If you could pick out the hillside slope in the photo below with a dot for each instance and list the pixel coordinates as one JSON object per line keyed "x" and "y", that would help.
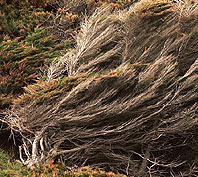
{"x": 124, "y": 99}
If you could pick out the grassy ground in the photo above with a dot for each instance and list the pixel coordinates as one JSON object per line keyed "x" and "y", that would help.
{"x": 10, "y": 168}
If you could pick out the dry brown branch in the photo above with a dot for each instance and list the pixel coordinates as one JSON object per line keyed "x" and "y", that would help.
{"x": 101, "y": 30}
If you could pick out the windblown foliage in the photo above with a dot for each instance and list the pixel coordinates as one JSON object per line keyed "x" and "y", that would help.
{"x": 125, "y": 98}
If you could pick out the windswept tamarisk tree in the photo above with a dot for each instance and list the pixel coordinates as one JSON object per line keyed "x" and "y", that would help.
{"x": 125, "y": 98}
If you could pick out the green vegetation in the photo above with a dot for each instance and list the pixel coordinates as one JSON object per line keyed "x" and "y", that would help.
{"x": 26, "y": 46}
{"x": 21, "y": 61}
{"x": 19, "y": 18}
{"x": 8, "y": 168}
{"x": 16, "y": 169}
